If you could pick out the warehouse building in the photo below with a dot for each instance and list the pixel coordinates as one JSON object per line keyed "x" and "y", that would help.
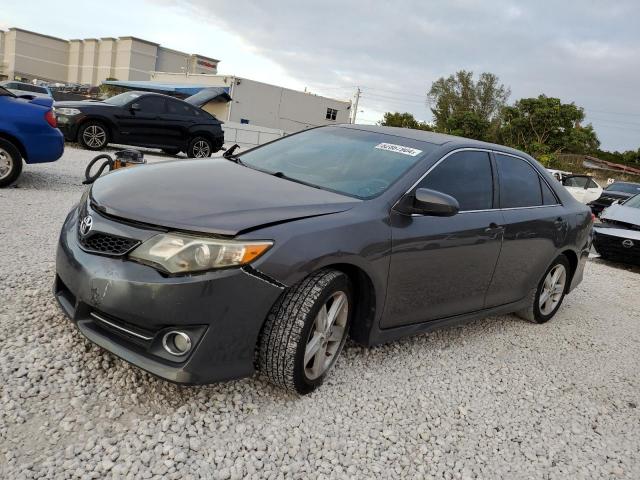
{"x": 262, "y": 104}
{"x": 28, "y": 56}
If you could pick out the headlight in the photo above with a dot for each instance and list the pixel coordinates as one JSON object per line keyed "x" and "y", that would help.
{"x": 69, "y": 112}
{"x": 181, "y": 253}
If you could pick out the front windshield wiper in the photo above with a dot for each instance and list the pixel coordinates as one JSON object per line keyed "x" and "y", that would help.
{"x": 291, "y": 179}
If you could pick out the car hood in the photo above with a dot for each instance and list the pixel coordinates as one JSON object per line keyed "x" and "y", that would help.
{"x": 620, "y": 213}
{"x": 211, "y": 195}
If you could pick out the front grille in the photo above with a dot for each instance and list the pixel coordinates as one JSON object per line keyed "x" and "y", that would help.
{"x": 609, "y": 245}
{"x": 107, "y": 244}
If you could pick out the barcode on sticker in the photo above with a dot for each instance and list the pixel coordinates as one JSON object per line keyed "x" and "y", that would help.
{"x": 392, "y": 147}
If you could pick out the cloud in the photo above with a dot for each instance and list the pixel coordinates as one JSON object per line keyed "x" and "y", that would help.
{"x": 582, "y": 51}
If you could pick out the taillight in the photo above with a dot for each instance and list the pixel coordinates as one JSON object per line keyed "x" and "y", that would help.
{"x": 51, "y": 119}
{"x": 593, "y": 217}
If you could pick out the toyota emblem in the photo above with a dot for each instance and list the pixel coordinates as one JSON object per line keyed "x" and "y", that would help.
{"x": 627, "y": 243}
{"x": 85, "y": 225}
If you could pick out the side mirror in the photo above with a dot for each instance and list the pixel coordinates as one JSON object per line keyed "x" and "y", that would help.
{"x": 134, "y": 107}
{"x": 429, "y": 202}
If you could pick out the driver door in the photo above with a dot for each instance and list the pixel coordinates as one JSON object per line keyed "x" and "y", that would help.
{"x": 443, "y": 266}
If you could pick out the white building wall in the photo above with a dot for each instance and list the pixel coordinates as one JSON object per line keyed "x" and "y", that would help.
{"x": 267, "y": 105}
{"x": 32, "y": 55}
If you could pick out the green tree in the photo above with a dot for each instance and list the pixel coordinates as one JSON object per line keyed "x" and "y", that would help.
{"x": 462, "y": 106}
{"x": 544, "y": 126}
{"x": 403, "y": 120}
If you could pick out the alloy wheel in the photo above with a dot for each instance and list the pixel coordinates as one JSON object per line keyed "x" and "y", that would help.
{"x": 326, "y": 336}
{"x": 201, "y": 149}
{"x": 94, "y": 136}
{"x": 6, "y": 164}
{"x": 552, "y": 289}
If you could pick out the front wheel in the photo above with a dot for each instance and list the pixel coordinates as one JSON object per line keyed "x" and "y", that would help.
{"x": 305, "y": 331}
{"x": 545, "y": 300}
{"x": 93, "y": 136}
{"x": 10, "y": 163}
{"x": 199, "y": 147}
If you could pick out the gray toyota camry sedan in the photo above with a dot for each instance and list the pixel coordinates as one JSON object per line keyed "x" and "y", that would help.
{"x": 206, "y": 270}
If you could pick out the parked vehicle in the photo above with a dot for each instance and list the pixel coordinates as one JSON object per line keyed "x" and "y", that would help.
{"x": 617, "y": 237}
{"x": 21, "y": 89}
{"x": 615, "y": 191}
{"x": 197, "y": 271}
{"x": 27, "y": 132}
{"x": 141, "y": 119}
{"x": 582, "y": 187}
{"x": 558, "y": 174}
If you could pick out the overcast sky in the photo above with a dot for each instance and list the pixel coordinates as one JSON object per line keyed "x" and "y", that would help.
{"x": 585, "y": 51}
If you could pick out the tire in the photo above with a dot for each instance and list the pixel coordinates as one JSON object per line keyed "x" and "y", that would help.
{"x": 199, "y": 147}
{"x": 93, "y": 135}
{"x": 171, "y": 151}
{"x": 10, "y": 163}
{"x": 537, "y": 313}
{"x": 292, "y": 326}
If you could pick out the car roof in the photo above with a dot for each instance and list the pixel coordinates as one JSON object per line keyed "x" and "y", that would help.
{"x": 152, "y": 94}
{"x": 434, "y": 138}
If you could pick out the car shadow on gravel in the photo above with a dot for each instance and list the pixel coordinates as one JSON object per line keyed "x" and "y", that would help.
{"x": 617, "y": 265}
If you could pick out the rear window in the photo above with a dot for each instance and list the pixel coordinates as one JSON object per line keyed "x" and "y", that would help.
{"x": 580, "y": 182}
{"x": 624, "y": 187}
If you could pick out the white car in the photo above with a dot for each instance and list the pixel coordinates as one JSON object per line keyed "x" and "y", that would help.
{"x": 582, "y": 187}
{"x": 20, "y": 88}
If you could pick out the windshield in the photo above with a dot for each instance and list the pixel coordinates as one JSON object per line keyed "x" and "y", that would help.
{"x": 5, "y": 93}
{"x": 122, "y": 99}
{"x": 633, "y": 202}
{"x": 353, "y": 162}
{"x": 624, "y": 187}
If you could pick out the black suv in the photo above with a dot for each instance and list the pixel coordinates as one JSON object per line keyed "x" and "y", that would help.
{"x": 141, "y": 119}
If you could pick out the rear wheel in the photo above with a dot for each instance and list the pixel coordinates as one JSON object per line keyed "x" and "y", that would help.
{"x": 545, "y": 300}
{"x": 305, "y": 331}
{"x": 10, "y": 163}
{"x": 199, "y": 147}
{"x": 93, "y": 136}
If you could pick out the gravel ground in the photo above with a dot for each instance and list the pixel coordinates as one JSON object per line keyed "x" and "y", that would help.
{"x": 498, "y": 398}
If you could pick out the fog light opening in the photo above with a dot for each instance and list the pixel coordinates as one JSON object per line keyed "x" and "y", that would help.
{"x": 176, "y": 343}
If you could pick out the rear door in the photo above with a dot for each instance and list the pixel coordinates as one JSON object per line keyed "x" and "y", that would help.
{"x": 536, "y": 225}
{"x": 593, "y": 191}
{"x": 143, "y": 125}
{"x": 577, "y": 186}
{"x": 178, "y": 118}
{"x": 442, "y": 266}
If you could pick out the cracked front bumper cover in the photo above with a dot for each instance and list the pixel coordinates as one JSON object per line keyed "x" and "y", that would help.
{"x": 223, "y": 310}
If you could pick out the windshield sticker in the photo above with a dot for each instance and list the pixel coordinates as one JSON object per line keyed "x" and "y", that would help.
{"x": 392, "y": 147}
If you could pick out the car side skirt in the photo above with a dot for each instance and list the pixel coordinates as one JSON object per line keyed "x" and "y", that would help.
{"x": 377, "y": 336}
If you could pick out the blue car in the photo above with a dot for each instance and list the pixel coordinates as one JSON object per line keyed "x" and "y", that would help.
{"x": 28, "y": 130}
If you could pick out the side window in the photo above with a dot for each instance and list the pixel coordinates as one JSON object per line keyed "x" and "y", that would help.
{"x": 519, "y": 183}
{"x": 592, "y": 184}
{"x": 580, "y": 182}
{"x": 182, "y": 108}
{"x": 467, "y": 177}
{"x": 548, "y": 197}
{"x": 151, "y": 104}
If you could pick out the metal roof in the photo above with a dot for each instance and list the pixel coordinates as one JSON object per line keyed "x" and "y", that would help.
{"x": 150, "y": 86}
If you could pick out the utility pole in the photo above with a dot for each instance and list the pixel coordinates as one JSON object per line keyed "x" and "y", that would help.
{"x": 355, "y": 105}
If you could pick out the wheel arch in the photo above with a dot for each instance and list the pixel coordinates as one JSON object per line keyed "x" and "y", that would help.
{"x": 365, "y": 299}
{"x": 573, "y": 264}
{"x": 16, "y": 143}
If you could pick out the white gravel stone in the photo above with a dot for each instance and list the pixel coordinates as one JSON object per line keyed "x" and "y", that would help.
{"x": 497, "y": 398}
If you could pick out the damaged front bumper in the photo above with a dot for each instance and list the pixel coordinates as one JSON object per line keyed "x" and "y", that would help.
{"x": 127, "y": 308}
